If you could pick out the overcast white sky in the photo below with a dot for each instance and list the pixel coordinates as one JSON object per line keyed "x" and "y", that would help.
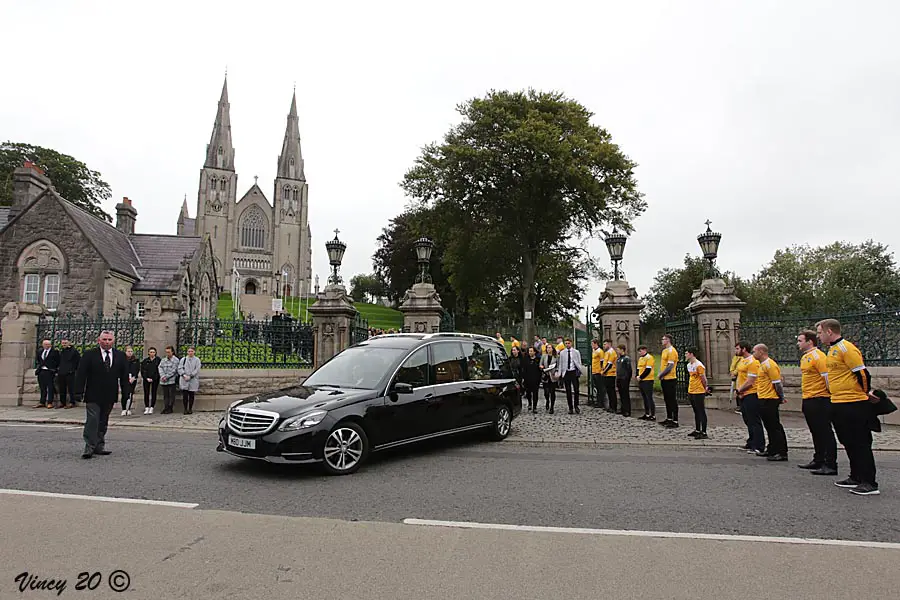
{"x": 780, "y": 121}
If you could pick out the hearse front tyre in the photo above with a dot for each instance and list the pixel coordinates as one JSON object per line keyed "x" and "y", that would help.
{"x": 502, "y": 423}
{"x": 345, "y": 450}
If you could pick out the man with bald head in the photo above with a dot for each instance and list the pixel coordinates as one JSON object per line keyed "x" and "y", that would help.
{"x": 102, "y": 372}
{"x": 770, "y": 391}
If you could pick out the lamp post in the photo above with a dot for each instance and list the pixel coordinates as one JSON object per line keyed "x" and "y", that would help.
{"x": 424, "y": 246}
{"x": 336, "y": 249}
{"x": 709, "y": 244}
{"x": 615, "y": 245}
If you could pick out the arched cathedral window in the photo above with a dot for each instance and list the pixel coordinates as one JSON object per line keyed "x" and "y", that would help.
{"x": 286, "y": 193}
{"x": 296, "y": 194}
{"x": 222, "y": 184}
{"x": 253, "y": 229}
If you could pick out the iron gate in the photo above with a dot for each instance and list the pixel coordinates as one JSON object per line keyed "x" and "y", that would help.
{"x": 684, "y": 336}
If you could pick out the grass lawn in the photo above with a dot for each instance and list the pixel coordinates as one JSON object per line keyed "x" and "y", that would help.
{"x": 380, "y": 317}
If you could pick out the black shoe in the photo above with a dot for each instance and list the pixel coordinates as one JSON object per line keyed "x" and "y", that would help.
{"x": 865, "y": 489}
{"x": 577, "y": 411}
{"x": 550, "y": 412}
{"x": 665, "y": 423}
{"x": 846, "y": 483}
{"x": 571, "y": 412}
{"x": 87, "y": 454}
{"x": 823, "y": 470}
{"x": 777, "y": 458}
{"x": 762, "y": 453}
{"x": 702, "y": 436}
{"x": 644, "y": 417}
{"x": 102, "y": 452}
{"x": 811, "y": 465}
{"x": 694, "y": 433}
{"x": 672, "y": 425}
{"x": 746, "y": 447}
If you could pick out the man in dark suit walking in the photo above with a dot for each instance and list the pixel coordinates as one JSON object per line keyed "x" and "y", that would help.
{"x": 47, "y": 366}
{"x": 102, "y": 372}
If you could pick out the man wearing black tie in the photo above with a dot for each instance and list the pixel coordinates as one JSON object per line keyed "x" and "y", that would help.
{"x": 101, "y": 373}
{"x": 47, "y": 366}
{"x": 569, "y": 370}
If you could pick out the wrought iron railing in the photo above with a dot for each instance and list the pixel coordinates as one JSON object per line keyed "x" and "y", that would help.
{"x": 684, "y": 336}
{"x": 876, "y": 333}
{"x": 359, "y": 331}
{"x": 448, "y": 322}
{"x": 83, "y": 330}
{"x": 247, "y": 344}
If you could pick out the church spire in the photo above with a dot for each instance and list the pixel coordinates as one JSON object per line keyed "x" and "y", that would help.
{"x": 290, "y": 161}
{"x": 184, "y": 208}
{"x": 219, "y": 152}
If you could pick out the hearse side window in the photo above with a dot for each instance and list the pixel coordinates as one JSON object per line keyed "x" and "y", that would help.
{"x": 481, "y": 361}
{"x": 414, "y": 369}
{"x": 500, "y": 362}
{"x": 447, "y": 362}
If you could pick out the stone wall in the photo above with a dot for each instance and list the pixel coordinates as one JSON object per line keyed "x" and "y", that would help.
{"x": 218, "y": 387}
{"x": 82, "y": 282}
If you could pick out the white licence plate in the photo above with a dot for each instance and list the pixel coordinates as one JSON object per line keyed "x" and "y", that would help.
{"x": 241, "y": 442}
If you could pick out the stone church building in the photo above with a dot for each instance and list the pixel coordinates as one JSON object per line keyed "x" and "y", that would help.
{"x": 56, "y": 254}
{"x": 260, "y": 247}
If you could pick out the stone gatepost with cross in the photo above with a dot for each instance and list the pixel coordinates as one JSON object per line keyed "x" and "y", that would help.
{"x": 421, "y": 305}
{"x": 333, "y": 312}
{"x": 619, "y": 314}
{"x": 18, "y": 349}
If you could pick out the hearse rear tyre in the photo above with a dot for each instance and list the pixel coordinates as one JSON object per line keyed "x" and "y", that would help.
{"x": 346, "y": 449}
{"x": 502, "y": 423}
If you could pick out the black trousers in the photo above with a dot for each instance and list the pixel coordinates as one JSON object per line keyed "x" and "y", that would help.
{"x": 169, "y": 395}
{"x": 851, "y": 423}
{"x": 817, "y": 412}
{"x": 128, "y": 401}
{"x": 150, "y": 388}
{"x": 45, "y": 382}
{"x": 610, "y": 384}
{"x": 66, "y": 385}
{"x": 599, "y": 389}
{"x": 698, "y": 403}
{"x": 187, "y": 397}
{"x": 570, "y": 381}
{"x": 624, "y": 395}
{"x": 768, "y": 412}
{"x": 646, "y": 387}
{"x": 95, "y": 424}
{"x": 531, "y": 392}
{"x": 549, "y": 394}
{"x": 751, "y": 409}
{"x": 671, "y": 400}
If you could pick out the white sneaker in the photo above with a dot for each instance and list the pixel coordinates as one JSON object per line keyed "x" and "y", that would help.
{"x": 147, "y": 410}
{"x": 124, "y": 412}
{"x": 128, "y": 413}
{"x": 150, "y": 411}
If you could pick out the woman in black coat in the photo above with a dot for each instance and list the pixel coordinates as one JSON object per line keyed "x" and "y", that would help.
{"x": 150, "y": 375}
{"x": 532, "y": 378}
{"x": 516, "y": 365}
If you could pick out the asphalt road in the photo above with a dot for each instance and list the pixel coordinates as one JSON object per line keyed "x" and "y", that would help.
{"x": 647, "y": 488}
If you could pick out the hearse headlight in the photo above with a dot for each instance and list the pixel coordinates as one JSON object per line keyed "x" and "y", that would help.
{"x": 303, "y": 421}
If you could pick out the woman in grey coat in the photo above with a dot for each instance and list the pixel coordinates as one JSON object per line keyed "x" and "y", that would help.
{"x": 189, "y": 379}
{"x": 168, "y": 379}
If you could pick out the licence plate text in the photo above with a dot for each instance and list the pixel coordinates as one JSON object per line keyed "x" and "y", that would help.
{"x": 241, "y": 442}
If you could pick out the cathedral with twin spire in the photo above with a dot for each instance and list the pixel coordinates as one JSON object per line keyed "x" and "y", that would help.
{"x": 260, "y": 247}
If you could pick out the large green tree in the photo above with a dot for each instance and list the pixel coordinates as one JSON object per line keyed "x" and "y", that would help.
{"x": 527, "y": 174}
{"x": 366, "y": 287}
{"x": 72, "y": 178}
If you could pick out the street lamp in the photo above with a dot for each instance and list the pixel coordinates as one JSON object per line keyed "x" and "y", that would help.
{"x": 615, "y": 244}
{"x": 709, "y": 244}
{"x": 423, "y": 246}
{"x": 336, "y": 249}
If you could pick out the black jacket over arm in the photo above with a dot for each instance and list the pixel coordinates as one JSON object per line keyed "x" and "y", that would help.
{"x": 52, "y": 361}
{"x": 99, "y": 384}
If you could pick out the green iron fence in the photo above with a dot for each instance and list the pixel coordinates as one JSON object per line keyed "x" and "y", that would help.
{"x": 83, "y": 330}
{"x": 280, "y": 343}
{"x": 684, "y": 336}
{"x": 876, "y": 333}
{"x": 359, "y": 331}
{"x": 448, "y": 322}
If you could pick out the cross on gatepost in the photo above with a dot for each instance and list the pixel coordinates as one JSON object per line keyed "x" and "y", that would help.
{"x": 708, "y": 223}
{"x": 336, "y": 232}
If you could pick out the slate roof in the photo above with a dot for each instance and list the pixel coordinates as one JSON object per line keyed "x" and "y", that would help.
{"x": 4, "y": 216}
{"x": 162, "y": 256}
{"x": 112, "y": 244}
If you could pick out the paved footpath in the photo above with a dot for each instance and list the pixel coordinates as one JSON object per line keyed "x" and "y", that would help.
{"x": 591, "y": 427}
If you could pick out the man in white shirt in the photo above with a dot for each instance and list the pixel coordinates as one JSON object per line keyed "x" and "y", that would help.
{"x": 569, "y": 368}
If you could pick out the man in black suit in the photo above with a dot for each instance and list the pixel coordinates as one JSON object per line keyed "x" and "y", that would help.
{"x": 65, "y": 379}
{"x": 102, "y": 372}
{"x": 47, "y": 366}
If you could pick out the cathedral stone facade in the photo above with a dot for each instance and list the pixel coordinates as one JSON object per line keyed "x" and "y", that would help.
{"x": 260, "y": 247}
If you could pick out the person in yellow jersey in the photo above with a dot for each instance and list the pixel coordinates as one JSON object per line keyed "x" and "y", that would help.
{"x": 597, "y": 364}
{"x": 514, "y": 343}
{"x": 850, "y": 385}
{"x": 747, "y": 373}
{"x": 698, "y": 387}
{"x": 560, "y": 344}
{"x": 668, "y": 359}
{"x": 817, "y": 405}
{"x": 546, "y": 346}
{"x": 770, "y": 392}
{"x": 646, "y": 377}
{"x": 500, "y": 338}
{"x": 732, "y": 370}
{"x": 609, "y": 375}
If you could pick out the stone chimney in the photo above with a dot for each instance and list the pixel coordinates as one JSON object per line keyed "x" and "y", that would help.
{"x": 126, "y": 215}
{"x": 29, "y": 182}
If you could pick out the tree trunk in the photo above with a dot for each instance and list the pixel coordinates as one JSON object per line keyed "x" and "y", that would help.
{"x": 528, "y": 297}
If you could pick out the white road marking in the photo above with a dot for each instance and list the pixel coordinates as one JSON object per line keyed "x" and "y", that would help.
{"x": 100, "y": 498}
{"x": 42, "y": 425}
{"x": 655, "y": 534}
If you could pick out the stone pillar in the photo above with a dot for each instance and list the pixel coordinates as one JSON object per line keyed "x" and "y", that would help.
{"x": 19, "y": 346}
{"x": 717, "y": 312}
{"x": 422, "y": 310}
{"x": 620, "y": 316}
{"x": 161, "y": 325}
{"x": 332, "y": 317}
